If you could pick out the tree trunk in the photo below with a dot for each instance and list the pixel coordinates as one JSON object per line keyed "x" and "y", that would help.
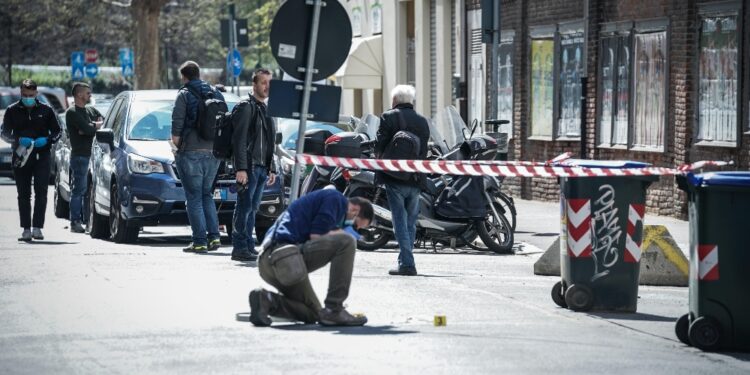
{"x": 146, "y": 18}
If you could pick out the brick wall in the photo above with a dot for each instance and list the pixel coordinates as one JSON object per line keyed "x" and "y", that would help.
{"x": 663, "y": 197}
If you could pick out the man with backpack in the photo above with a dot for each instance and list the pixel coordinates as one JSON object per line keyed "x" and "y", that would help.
{"x": 192, "y": 135}
{"x": 403, "y": 134}
{"x": 253, "y": 147}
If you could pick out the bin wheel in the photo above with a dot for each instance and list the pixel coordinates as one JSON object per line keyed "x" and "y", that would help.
{"x": 579, "y": 298}
{"x": 681, "y": 329}
{"x": 558, "y": 296}
{"x": 705, "y": 333}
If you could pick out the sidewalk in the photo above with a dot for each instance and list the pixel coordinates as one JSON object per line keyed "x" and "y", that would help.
{"x": 538, "y": 225}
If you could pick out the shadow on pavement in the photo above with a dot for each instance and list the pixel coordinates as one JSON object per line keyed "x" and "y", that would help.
{"x": 363, "y": 330}
{"x": 635, "y": 316}
{"x": 43, "y": 242}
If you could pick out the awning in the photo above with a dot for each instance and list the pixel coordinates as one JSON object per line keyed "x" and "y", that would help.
{"x": 363, "y": 68}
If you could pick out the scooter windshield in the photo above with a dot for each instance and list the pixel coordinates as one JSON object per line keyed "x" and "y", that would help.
{"x": 447, "y": 129}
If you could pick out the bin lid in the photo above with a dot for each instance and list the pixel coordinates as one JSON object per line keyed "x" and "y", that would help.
{"x": 619, "y": 164}
{"x": 720, "y": 179}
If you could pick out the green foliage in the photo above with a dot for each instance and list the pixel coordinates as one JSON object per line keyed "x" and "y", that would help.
{"x": 103, "y": 83}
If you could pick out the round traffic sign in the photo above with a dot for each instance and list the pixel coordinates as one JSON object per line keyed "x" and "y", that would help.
{"x": 290, "y": 32}
{"x": 234, "y": 63}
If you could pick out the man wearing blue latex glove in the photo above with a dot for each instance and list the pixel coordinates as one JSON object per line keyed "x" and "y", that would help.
{"x": 40, "y": 142}
{"x": 25, "y": 142}
{"x": 28, "y": 123}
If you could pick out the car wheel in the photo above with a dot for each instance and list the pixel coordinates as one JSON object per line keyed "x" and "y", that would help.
{"x": 97, "y": 224}
{"x": 120, "y": 230}
{"x": 62, "y": 208}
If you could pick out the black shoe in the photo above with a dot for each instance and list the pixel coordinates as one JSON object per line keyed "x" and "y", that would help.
{"x": 403, "y": 271}
{"x": 244, "y": 256}
{"x": 77, "y": 227}
{"x": 260, "y": 304}
{"x": 214, "y": 244}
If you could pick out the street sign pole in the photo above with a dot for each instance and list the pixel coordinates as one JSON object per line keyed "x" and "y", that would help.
{"x": 309, "y": 70}
{"x": 230, "y": 80}
{"x": 234, "y": 48}
{"x": 495, "y": 64}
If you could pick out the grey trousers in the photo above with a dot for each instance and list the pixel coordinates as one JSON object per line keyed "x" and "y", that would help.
{"x": 299, "y": 302}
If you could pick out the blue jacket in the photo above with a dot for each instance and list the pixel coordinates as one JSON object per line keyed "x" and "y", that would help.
{"x": 318, "y": 212}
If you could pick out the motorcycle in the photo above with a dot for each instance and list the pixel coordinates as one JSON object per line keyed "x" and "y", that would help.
{"x": 450, "y": 214}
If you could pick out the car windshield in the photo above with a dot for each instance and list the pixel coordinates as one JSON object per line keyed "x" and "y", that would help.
{"x": 289, "y": 129}
{"x": 103, "y": 106}
{"x": 152, "y": 120}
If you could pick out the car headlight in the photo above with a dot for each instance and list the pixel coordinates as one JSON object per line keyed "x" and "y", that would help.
{"x": 141, "y": 165}
{"x": 287, "y": 165}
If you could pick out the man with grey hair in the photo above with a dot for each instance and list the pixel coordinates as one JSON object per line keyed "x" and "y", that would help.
{"x": 399, "y": 127}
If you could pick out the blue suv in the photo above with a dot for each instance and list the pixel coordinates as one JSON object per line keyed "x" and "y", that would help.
{"x": 134, "y": 182}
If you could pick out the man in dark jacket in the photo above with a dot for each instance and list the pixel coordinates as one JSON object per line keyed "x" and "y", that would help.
{"x": 403, "y": 196}
{"x": 254, "y": 146}
{"x": 31, "y": 127}
{"x": 82, "y": 123}
{"x": 313, "y": 224}
{"x": 196, "y": 163}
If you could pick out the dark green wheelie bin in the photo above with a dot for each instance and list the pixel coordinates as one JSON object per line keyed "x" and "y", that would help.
{"x": 719, "y": 317}
{"x": 600, "y": 238}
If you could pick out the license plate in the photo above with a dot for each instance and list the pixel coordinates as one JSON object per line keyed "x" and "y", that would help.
{"x": 220, "y": 194}
{"x": 224, "y": 194}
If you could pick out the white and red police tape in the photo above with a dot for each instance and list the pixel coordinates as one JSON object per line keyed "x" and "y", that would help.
{"x": 495, "y": 167}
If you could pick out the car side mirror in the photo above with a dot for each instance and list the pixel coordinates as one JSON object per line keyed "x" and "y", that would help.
{"x": 279, "y": 138}
{"x": 106, "y": 136}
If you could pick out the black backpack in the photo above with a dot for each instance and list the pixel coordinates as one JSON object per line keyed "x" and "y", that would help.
{"x": 209, "y": 110}
{"x": 224, "y": 132}
{"x": 404, "y": 145}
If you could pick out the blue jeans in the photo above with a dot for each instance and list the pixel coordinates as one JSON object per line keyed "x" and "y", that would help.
{"x": 79, "y": 165}
{"x": 404, "y": 203}
{"x": 248, "y": 203}
{"x": 197, "y": 172}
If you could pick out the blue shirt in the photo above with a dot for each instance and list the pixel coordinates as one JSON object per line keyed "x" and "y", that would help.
{"x": 318, "y": 212}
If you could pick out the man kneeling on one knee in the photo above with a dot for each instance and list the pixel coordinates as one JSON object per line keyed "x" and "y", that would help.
{"x": 305, "y": 238}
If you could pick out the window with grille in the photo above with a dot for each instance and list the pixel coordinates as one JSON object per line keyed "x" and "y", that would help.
{"x": 719, "y": 79}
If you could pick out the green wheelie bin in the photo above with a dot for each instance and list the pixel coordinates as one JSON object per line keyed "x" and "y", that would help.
{"x": 719, "y": 316}
{"x": 600, "y": 238}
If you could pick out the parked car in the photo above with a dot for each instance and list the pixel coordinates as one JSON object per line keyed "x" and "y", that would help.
{"x": 289, "y": 129}
{"x": 134, "y": 180}
{"x": 56, "y": 97}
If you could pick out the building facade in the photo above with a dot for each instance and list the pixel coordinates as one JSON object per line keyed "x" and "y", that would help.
{"x": 666, "y": 82}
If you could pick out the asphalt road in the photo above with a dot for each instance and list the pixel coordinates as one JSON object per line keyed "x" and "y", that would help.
{"x": 71, "y": 304}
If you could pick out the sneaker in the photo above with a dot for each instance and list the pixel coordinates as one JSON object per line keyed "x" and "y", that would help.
{"x": 214, "y": 244}
{"x": 77, "y": 227}
{"x": 244, "y": 255}
{"x": 403, "y": 271}
{"x": 36, "y": 233}
{"x": 328, "y": 317}
{"x": 193, "y": 248}
{"x": 260, "y": 304}
{"x": 25, "y": 236}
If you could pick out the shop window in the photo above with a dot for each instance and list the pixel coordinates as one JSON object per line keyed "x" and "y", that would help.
{"x": 541, "y": 102}
{"x": 650, "y": 90}
{"x": 505, "y": 83}
{"x": 570, "y": 62}
{"x": 719, "y": 78}
{"x": 614, "y": 90}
